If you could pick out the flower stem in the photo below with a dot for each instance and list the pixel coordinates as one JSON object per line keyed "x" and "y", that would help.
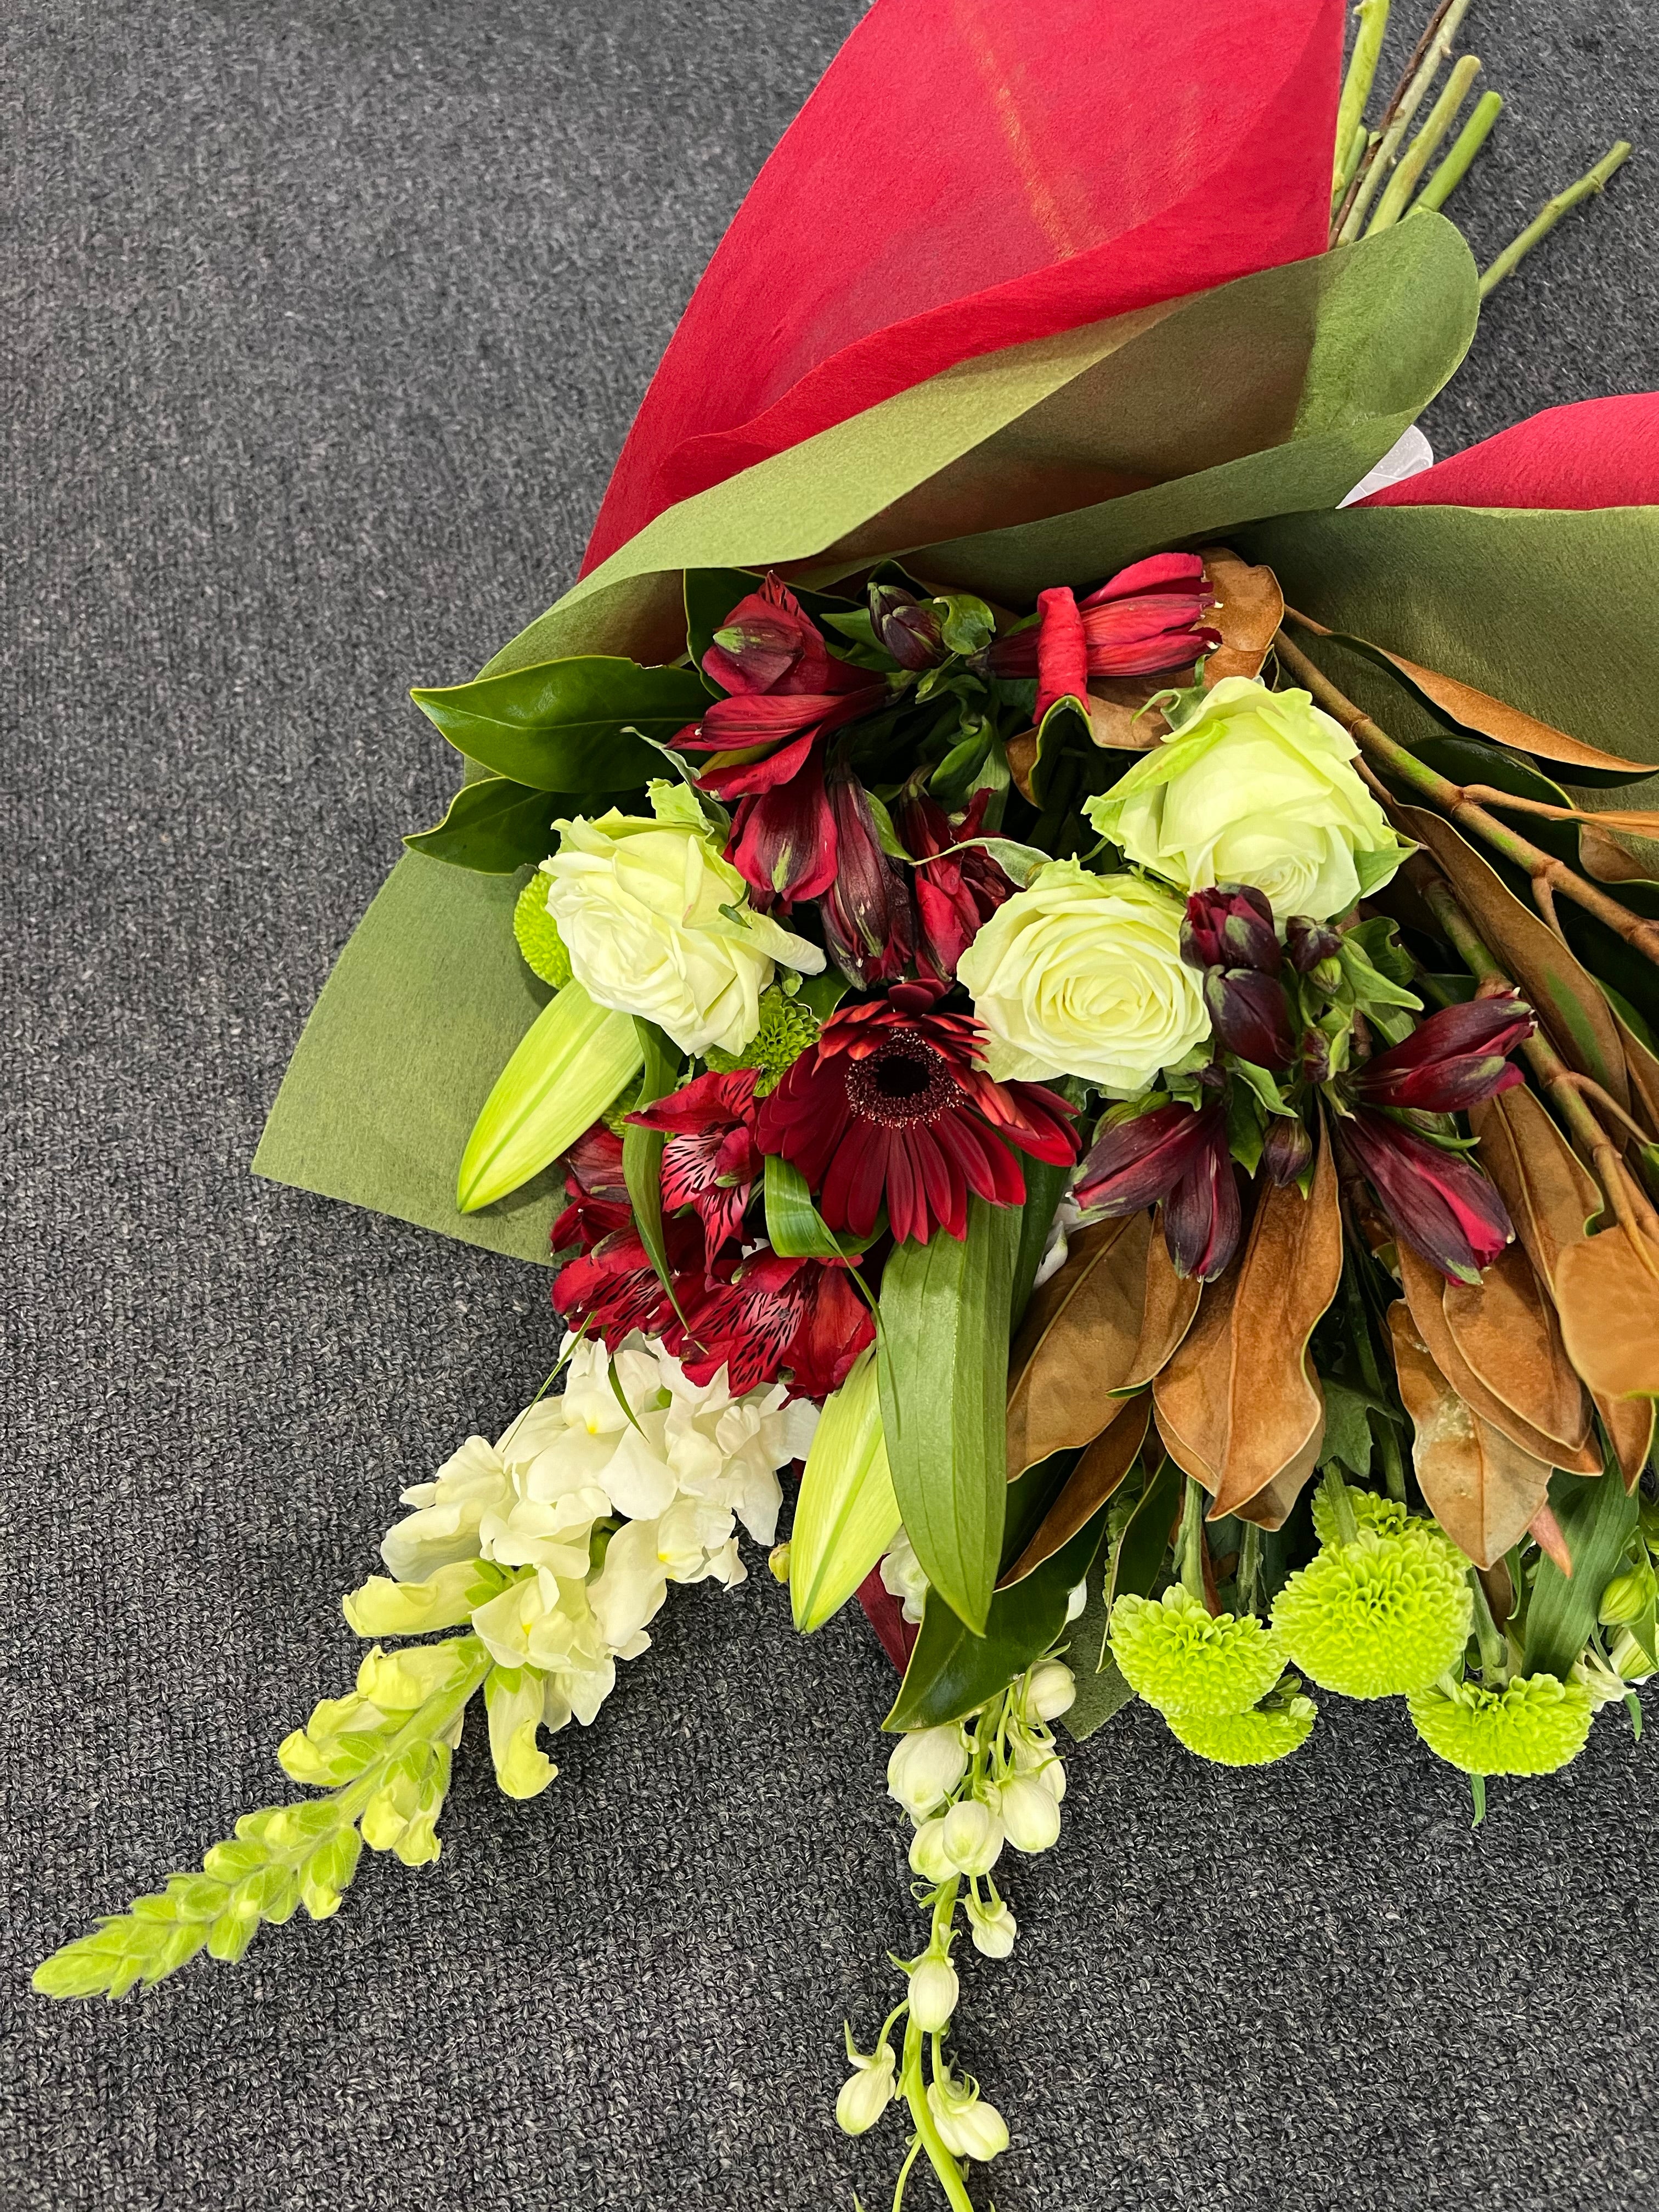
{"x": 1424, "y": 148}
{"x": 1357, "y": 86}
{"x": 1456, "y": 167}
{"x": 1382, "y": 1433}
{"x": 1494, "y": 1645}
{"x": 1545, "y": 874}
{"x": 1192, "y": 1542}
{"x": 1249, "y": 1570}
{"x": 1347, "y": 1521}
{"x": 1551, "y": 213}
{"x": 927, "y": 2135}
{"x": 1435, "y": 47}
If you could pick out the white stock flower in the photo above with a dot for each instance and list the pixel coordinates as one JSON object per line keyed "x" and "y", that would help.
{"x": 1257, "y": 787}
{"x": 903, "y": 1576}
{"x": 657, "y": 924}
{"x": 1081, "y": 974}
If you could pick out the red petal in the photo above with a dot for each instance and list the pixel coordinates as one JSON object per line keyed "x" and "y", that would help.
{"x": 1600, "y": 452}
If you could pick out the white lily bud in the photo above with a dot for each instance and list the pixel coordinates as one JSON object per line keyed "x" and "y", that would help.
{"x": 866, "y": 2092}
{"x": 968, "y": 2126}
{"x": 993, "y": 1928}
{"x": 1049, "y": 1690}
{"x": 925, "y": 1768}
{"x": 1030, "y": 1815}
{"x": 973, "y": 1834}
{"x": 933, "y": 1992}
{"x": 928, "y": 1856}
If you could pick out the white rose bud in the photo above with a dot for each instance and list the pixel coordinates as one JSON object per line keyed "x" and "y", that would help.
{"x": 972, "y": 1835}
{"x": 1030, "y": 1816}
{"x": 1081, "y": 974}
{"x": 993, "y": 1928}
{"x": 925, "y": 1768}
{"x": 1050, "y": 1690}
{"x": 1257, "y": 787}
{"x": 866, "y": 2092}
{"x": 933, "y": 1992}
{"x": 928, "y": 1856}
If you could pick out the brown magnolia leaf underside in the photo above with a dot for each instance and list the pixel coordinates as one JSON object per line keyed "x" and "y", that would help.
{"x": 1079, "y": 1342}
{"x": 1506, "y": 1329}
{"x": 1565, "y": 997}
{"x": 1549, "y": 1194}
{"x": 1089, "y": 1484}
{"x": 1643, "y": 1070}
{"x": 1480, "y": 1486}
{"x": 1604, "y": 857}
{"x": 1238, "y": 1400}
{"x": 1424, "y": 1285}
{"x": 1250, "y": 609}
{"x": 1608, "y": 1301}
{"x": 1170, "y": 1303}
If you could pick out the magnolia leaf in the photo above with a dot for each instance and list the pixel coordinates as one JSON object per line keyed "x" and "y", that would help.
{"x": 1087, "y": 1489}
{"x": 1250, "y": 607}
{"x": 846, "y": 1515}
{"x": 1120, "y": 718}
{"x": 1506, "y": 1329}
{"x": 952, "y": 1671}
{"x": 1566, "y": 996}
{"x": 1139, "y": 1555}
{"x": 943, "y": 1364}
{"x": 1551, "y": 1197}
{"x": 1595, "y": 1519}
{"x": 569, "y": 725}
{"x": 496, "y": 826}
{"x": 1606, "y": 1292}
{"x": 1169, "y": 1303}
{"x": 1481, "y": 1487}
{"x": 1078, "y": 1342}
{"x": 1642, "y": 1069}
{"x": 1608, "y": 860}
{"x": 1272, "y": 1505}
{"x": 1424, "y": 1285}
{"x": 573, "y": 1059}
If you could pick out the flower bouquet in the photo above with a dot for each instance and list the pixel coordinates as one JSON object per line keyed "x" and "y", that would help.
{"x": 1043, "y": 970}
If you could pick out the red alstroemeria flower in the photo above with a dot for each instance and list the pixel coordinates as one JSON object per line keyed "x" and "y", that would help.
{"x": 711, "y": 1160}
{"x": 958, "y": 895}
{"x": 1179, "y": 1155}
{"x": 598, "y": 1191}
{"x": 869, "y": 920}
{"x": 614, "y": 1288}
{"x": 1439, "y": 1202}
{"x": 892, "y": 1107}
{"x": 776, "y": 1317}
{"x": 1455, "y": 1058}
{"x": 1145, "y": 619}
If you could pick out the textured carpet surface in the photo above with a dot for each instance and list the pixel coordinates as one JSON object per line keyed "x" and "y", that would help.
{"x": 322, "y": 326}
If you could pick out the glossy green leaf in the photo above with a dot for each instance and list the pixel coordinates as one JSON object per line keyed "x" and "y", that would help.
{"x": 576, "y": 1059}
{"x": 1140, "y": 1551}
{"x": 564, "y": 726}
{"x": 1597, "y": 1515}
{"x": 846, "y": 1515}
{"x": 944, "y": 1369}
{"x": 496, "y": 826}
{"x": 642, "y": 1148}
{"x": 1102, "y": 1691}
{"x": 1045, "y": 1186}
{"x": 952, "y": 1671}
{"x": 795, "y": 1227}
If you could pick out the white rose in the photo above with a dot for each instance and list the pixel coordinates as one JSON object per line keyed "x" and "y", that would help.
{"x": 1081, "y": 974}
{"x": 1258, "y": 787}
{"x": 657, "y": 924}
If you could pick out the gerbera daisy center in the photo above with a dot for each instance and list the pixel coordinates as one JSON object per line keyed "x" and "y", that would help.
{"x": 901, "y": 1080}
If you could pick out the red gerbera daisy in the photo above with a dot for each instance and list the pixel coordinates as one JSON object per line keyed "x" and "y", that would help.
{"x": 893, "y": 1107}
{"x": 710, "y": 1161}
{"x": 798, "y": 1317}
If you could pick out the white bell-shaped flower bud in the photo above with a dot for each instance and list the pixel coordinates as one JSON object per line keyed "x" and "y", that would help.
{"x": 973, "y": 1833}
{"x": 993, "y": 1926}
{"x": 1050, "y": 1690}
{"x": 933, "y": 1992}
{"x": 925, "y": 1768}
{"x": 968, "y": 2126}
{"x": 1077, "y": 1601}
{"x": 1030, "y": 1817}
{"x": 928, "y": 1856}
{"x": 867, "y": 2091}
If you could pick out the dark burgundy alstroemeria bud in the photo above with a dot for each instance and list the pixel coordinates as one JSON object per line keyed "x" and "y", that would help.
{"x": 910, "y": 630}
{"x": 1309, "y": 944}
{"x": 1286, "y": 1149}
{"x": 1136, "y": 1163}
{"x": 1316, "y": 1056}
{"x": 1249, "y": 1017}
{"x": 869, "y": 921}
{"x": 1202, "y": 1217}
{"x": 1439, "y": 1203}
{"x": 768, "y": 642}
{"x": 957, "y": 894}
{"x": 1455, "y": 1058}
{"x": 1229, "y": 927}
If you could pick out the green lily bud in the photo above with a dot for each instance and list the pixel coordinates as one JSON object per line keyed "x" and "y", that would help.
{"x": 1625, "y": 1597}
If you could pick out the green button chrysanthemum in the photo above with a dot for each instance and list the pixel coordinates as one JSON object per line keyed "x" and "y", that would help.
{"x": 537, "y": 934}
{"x": 1253, "y": 1739}
{"x": 1386, "y": 1516}
{"x": 1183, "y": 1660}
{"x": 1528, "y": 1727}
{"x": 787, "y": 1028}
{"x": 1378, "y": 1617}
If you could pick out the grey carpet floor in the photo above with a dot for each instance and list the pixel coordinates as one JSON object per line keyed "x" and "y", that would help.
{"x": 322, "y": 326}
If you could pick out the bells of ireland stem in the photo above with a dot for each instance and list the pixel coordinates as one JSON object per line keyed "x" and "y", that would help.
{"x": 925, "y": 1768}
{"x": 1229, "y": 927}
{"x": 933, "y": 1992}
